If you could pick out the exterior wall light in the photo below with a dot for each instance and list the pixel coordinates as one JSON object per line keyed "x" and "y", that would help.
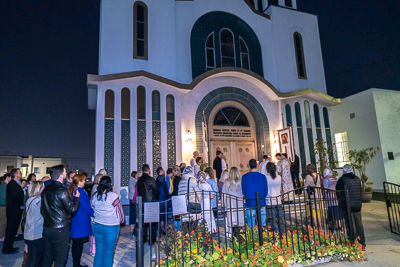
{"x": 188, "y": 136}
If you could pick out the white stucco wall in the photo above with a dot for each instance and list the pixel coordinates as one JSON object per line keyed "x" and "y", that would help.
{"x": 387, "y": 106}
{"x": 6, "y": 161}
{"x": 362, "y": 131}
{"x": 169, "y": 29}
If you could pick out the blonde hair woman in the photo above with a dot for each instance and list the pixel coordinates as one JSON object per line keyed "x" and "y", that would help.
{"x": 34, "y": 224}
{"x": 233, "y": 199}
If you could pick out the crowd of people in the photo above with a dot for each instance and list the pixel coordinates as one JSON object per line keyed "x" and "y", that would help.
{"x": 59, "y": 211}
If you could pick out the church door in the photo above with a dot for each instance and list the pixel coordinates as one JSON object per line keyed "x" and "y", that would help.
{"x": 237, "y": 153}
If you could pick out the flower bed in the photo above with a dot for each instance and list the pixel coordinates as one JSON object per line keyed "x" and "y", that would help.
{"x": 199, "y": 249}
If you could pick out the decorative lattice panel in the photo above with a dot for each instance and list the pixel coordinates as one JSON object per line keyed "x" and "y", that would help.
{"x": 109, "y": 147}
{"x": 125, "y": 151}
{"x": 156, "y": 146}
{"x": 141, "y": 144}
{"x": 171, "y": 143}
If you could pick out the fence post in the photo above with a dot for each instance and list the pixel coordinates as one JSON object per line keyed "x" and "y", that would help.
{"x": 258, "y": 214}
{"x": 388, "y": 205}
{"x": 139, "y": 233}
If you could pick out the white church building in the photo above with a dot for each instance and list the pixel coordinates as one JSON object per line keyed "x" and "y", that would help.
{"x": 251, "y": 67}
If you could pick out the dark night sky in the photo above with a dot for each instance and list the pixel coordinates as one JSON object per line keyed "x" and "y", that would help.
{"x": 48, "y": 47}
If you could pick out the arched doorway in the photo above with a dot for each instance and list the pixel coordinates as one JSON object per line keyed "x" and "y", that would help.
{"x": 214, "y": 101}
{"x": 231, "y": 129}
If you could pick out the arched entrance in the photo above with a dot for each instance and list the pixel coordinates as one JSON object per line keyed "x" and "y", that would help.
{"x": 250, "y": 103}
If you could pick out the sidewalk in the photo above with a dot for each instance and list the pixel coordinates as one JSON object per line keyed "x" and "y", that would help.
{"x": 383, "y": 248}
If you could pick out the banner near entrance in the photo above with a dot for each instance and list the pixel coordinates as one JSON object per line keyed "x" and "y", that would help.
{"x": 286, "y": 142}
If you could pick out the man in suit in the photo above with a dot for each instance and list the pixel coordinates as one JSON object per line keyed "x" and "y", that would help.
{"x": 14, "y": 208}
{"x": 219, "y": 164}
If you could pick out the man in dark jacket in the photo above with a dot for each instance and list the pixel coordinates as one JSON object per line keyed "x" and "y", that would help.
{"x": 294, "y": 171}
{"x": 350, "y": 182}
{"x": 14, "y": 208}
{"x": 57, "y": 208}
{"x": 147, "y": 189}
{"x": 219, "y": 164}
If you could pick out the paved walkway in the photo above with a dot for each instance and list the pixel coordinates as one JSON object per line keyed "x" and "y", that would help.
{"x": 383, "y": 248}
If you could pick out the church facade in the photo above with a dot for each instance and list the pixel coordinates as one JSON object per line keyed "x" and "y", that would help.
{"x": 244, "y": 69}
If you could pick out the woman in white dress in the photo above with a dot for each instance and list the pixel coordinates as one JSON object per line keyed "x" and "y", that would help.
{"x": 233, "y": 200}
{"x": 207, "y": 195}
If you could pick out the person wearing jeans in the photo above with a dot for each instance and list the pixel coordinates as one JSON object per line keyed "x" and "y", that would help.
{"x": 106, "y": 223}
{"x": 81, "y": 225}
{"x": 57, "y": 208}
{"x": 33, "y": 232}
{"x": 253, "y": 182}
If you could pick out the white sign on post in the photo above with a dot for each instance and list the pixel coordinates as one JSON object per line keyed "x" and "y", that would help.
{"x": 179, "y": 205}
{"x": 151, "y": 212}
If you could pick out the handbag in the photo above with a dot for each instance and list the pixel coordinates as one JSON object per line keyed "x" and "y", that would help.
{"x": 23, "y": 222}
{"x": 119, "y": 209}
{"x": 192, "y": 207}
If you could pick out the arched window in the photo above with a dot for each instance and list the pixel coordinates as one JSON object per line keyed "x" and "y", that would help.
{"x": 141, "y": 103}
{"x": 244, "y": 55}
{"x": 326, "y": 117}
{"x": 288, "y": 115}
{"x": 228, "y": 58}
{"x": 155, "y": 100}
{"x": 125, "y": 104}
{"x": 300, "y": 61}
{"x": 140, "y": 26}
{"x": 307, "y": 114}
{"x": 230, "y": 116}
{"x": 260, "y": 6}
{"x": 288, "y": 3}
{"x": 327, "y": 126}
{"x": 109, "y": 104}
{"x": 300, "y": 136}
{"x": 317, "y": 121}
{"x": 170, "y": 108}
{"x": 210, "y": 52}
{"x": 309, "y": 131}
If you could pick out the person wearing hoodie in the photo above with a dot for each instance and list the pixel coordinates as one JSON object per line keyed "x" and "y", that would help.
{"x": 164, "y": 195}
{"x": 352, "y": 183}
{"x": 331, "y": 199}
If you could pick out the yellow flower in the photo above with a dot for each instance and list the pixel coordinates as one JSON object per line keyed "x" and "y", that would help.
{"x": 280, "y": 259}
{"x": 194, "y": 251}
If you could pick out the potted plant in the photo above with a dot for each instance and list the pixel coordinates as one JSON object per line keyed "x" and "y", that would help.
{"x": 359, "y": 160}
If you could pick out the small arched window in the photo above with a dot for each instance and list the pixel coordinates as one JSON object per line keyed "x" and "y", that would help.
{"x": 307, "y": 114}
{"x": 141, "y": 103}
{"x": 125, "y": 104}
{"x": 230, "y": 116}
{"x": 109, "y": 104}
{"x": 170, "y": 108}
{"x": 316, "y": 115}
{"x": 326, "y": 117}
{"x": 244, "y": 55}
{"x": 300, "y": 61}
{"x": 140, "y": 26}
{"x": 228, "y": 58}
{"x": 288, "y": 110}
{"x": 210, "y": 52}
{"x": 155, "y": 100}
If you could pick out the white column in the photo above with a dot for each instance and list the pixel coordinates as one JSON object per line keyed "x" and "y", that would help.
{"x": 149, "y": 130}
{"x": 117, "y": 141}
{"x": 164, "y": 130}
{"x": 100, "y": 113}
{"x": 134, "y": 128}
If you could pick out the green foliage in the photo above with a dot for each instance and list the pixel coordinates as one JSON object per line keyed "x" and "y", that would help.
{"x": 293, "y": 247}
{"x": 359, "y": 160}
{"x": 326, "y": 156}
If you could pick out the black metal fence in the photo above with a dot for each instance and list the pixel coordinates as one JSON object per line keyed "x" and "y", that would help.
{"x": 300, "y": 223}
{"x": 392, "y": 198}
